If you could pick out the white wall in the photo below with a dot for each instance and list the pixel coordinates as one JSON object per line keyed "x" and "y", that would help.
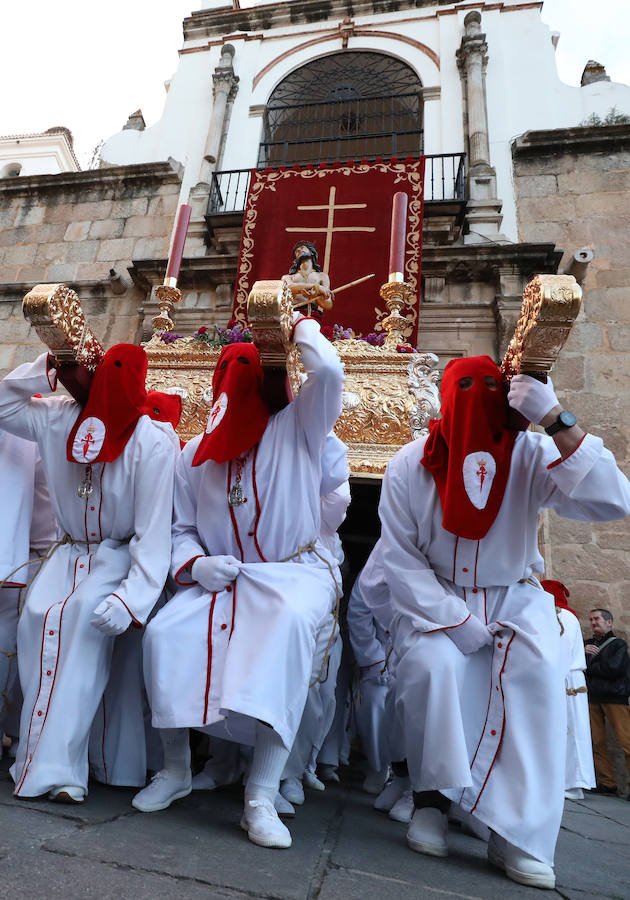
{"x": 524, "y": 91}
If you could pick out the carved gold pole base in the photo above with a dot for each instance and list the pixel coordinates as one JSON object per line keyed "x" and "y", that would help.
{"x": 396, "y": 294}
{"x": 168, "y": 297}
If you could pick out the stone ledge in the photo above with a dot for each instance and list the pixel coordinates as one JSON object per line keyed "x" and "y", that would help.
{"x": 165, "y": 172}
{"x": 559, "y": 141}
{"x": 226, "y": 21}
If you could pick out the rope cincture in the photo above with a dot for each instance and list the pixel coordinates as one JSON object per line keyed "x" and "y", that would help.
{"x": 311, "y": 548}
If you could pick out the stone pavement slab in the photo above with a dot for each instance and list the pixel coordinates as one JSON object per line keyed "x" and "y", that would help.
{"x": 342, "y": 848}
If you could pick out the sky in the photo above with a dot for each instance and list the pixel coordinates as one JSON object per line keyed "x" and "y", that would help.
{"x": 88, "y": 65}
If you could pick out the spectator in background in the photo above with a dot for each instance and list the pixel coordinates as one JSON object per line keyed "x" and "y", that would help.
{"x": 608, "y": 683}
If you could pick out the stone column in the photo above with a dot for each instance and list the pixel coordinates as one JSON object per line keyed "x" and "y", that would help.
{"x": 224, "y": 88}
{"x": 484, "y": 209}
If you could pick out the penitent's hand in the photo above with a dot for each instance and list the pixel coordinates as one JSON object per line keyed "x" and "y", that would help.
{"x": 215, "y": 573}
{"x": 531, "y": 398}
{"x": 111, "y": 617}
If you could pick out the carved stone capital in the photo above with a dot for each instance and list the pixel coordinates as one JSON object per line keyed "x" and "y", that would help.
{"x": 224, "y": 81}
{"x": 472, "y": 50}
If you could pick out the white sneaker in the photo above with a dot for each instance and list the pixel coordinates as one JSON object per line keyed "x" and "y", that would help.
{"x": 518, "y": 865}
{"x": 68, "y": 793}
{"x": 283, "y": 807}
{"x": 260, "y": 821}
{"x": 292, "y": 790}
{"x": 164, "y": 788}
{"x": 328, "y": 773}
{"x": 574, "y": 794}
{"x": 402, "y": 810}
{"x": 427, "y": 832}
{"x": 374, "y": 782}
{"x": 391, "y": 793}
{"x": 311, "y": 781}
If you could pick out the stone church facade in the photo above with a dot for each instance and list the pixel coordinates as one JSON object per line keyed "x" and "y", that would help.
{"x": 513, "y": 187}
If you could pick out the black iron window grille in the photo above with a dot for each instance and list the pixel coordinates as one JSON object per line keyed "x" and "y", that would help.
{"x": 351, "y": 105}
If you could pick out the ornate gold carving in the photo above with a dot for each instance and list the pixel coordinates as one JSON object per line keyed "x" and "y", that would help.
{"x": 396, "y": 294}
{"x": 55, "y": 312}
{"x": 551, "y": 304}
{"x": 388, "y": 397}
{"x": 270, "y": 316}
{"x": 168, "y": 296}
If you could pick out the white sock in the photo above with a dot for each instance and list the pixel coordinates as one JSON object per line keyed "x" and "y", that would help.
{"x": 176, "y": 748}
{"x": 270, "y": 756}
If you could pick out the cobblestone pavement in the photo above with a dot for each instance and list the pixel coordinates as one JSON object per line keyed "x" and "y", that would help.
{"x": 342, "y": 848}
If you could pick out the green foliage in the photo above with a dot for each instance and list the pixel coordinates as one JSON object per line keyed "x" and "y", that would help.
{"x": 612, "y": 117}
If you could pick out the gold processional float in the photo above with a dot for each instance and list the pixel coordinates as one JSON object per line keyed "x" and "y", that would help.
{"x": 390, "y": 392}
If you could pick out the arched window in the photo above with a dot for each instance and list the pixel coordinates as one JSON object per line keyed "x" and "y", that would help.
{"x": 349, "y": 105}
{"x": 11, "y": 170}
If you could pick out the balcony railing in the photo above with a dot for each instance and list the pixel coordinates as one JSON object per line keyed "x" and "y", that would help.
{"x": 444, "y": 181}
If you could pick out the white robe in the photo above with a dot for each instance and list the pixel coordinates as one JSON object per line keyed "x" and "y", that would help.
{"x": 120, "y": 542}
{"x": 370, "y": 644}
{"x": 579, "y": 771}
{"x": 247, "y": 652}
{"x": 27, "y": 527}
{"x": 485, "y": 728}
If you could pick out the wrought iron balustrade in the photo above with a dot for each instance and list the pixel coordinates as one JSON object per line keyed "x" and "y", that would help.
{"x": 444, "y": 180}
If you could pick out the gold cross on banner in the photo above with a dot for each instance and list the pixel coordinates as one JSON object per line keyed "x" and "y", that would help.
{"x": 331, "y": 228}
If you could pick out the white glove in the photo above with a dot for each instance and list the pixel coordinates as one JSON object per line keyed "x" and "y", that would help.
{"x": 470, "y": 636}
{"x": 375, "y": 675}
{"x": 215, "y": 572}
{"x": 111, "y": 617}
{"x": 531, "y": 397}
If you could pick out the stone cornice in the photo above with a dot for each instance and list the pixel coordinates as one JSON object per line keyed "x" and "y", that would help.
{"x": 163, "y": 172}
{"x": 592, "y": 139}
{"x": 215, "y": 23}
{"x": 486, "y": 262}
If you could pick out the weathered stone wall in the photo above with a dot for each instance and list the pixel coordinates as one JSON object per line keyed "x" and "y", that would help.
{"x": 573, "y": 188}
{"x": 73, "y": 228}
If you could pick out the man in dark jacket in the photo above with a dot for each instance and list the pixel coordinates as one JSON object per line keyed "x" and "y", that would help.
{"x": 608, "y": 683}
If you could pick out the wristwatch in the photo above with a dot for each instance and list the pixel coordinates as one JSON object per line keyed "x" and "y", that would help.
{"x": 566, "y": 419}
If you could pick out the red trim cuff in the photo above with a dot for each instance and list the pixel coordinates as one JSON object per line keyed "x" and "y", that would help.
{"x": 557, "y": 462}
{"x": 187, "y": 565}
{"x": 135, "y": 622}
{"x": 448, "y": 627}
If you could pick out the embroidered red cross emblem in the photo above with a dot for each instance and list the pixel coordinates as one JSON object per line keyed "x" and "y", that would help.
{"x": 481, "y": 473}
{"x": 87, "y": 440}
{"x": 216, "y": 409}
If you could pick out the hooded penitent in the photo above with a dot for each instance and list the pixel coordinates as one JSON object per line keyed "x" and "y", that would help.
{"x": 239, "y": 415}
{"x": 559, "y": 592}
{"x": 163, "y": 407}
{"x": 468, "y": 451}
{"x": 117, "y": 398}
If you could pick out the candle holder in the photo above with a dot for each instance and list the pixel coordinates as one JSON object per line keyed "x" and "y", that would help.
{"x": 167, "y": 296}
{"x": 396, "y": 294}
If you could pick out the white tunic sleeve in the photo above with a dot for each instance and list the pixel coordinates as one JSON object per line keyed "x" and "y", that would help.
{"x": 43, "y": 523}
{"x": 318, "y": 403}
{"x": 587, "y": 485}
{"x": 367, "y": 648}
{"x": 150, "y": 545}
{"x": 186, "y": 544}
{"x": 21, "y": 413}
{"x": 416, "y": 593}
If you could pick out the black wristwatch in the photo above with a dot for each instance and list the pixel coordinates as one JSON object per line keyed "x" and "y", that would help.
{"x": 566, "y": 419}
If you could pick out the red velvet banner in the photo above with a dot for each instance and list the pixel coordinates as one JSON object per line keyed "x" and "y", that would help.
{"x": 346, "y": 211}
